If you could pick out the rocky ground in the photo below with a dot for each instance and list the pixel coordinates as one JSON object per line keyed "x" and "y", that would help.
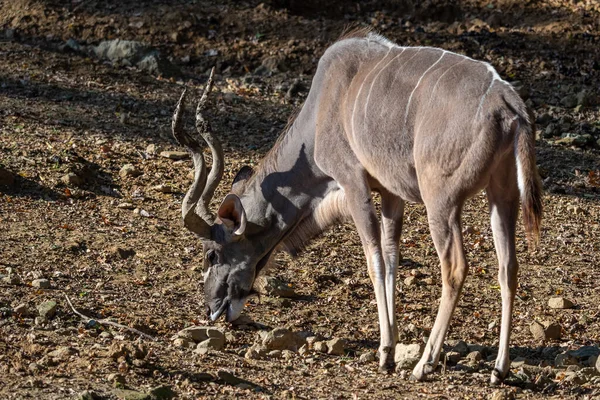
{"x": 91, "y": 185}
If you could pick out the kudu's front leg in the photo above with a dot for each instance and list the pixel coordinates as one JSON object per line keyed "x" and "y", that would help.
{"x": 363, "y": 213}
{"x": 392, "y": 212}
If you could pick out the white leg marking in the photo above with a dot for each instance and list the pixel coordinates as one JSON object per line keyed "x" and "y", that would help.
{"x": 417, "y": 85}
{"x": 360, "y": 89}
{"x": 520, "y": 173}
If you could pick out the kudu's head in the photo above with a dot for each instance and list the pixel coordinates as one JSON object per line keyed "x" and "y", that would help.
{"x": 230, "y": 260}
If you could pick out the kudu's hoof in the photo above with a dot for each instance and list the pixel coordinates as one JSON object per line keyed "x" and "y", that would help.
{"x": 386, "y": 368}
{"x": 497, "y": 377}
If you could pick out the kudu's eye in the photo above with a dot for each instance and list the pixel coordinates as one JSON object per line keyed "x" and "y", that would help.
{"x": 211, "y": 256}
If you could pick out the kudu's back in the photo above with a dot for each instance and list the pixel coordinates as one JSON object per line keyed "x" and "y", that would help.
{"x": 403, "y": 110}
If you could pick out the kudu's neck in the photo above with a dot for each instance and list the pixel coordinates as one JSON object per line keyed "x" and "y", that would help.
{"x": 288, "y": 185}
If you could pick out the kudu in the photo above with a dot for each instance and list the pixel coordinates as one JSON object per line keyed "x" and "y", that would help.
{"x": 415, "y": 124}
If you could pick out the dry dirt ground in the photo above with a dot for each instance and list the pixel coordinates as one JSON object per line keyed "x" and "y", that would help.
{"x": 64, "y": 111}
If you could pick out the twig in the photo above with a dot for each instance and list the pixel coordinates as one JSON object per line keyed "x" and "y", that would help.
{"x": 107, "y": 322}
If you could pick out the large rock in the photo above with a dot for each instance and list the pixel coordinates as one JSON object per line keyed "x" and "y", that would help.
{"x": 199, "y": 334}
{"x": 132, "y": 53}
{"x": 546, "y": 330}
{"x": 282, "y": 339}
{"x": 407, "y": 356}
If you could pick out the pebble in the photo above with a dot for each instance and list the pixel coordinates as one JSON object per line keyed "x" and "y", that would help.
{"x": 274, "y": 353}
{"x": 129, "y": 170}
{"x": 213, "y": 343}
{"x": 151, "y": 149}
{"x": 474, "y": 356}
{"x": 411, "y": 280}
{"x": 320, "y": 347}
{"x": 287, "y": 354}
{"x": 560, "y": 303}
{"x": 22, "y": 310}
{"x": 126, "y": 206}
{"x": 47, "y": 309}
{"x": 182, "y": 342}
{"x": 545, "y": 331}
{"x": 41, "y": 283}
{"x": 598, "y": 364}
{"x": 459, "y": 346}
{"x": 199, "y": 334}
{"x": 336, "y": 347}
{"x": 282, "y": 339}
{"x": 502, "y": 395}
{"x": 62, "y": 353}
{"x": 303, "y": 350}
{"x": 407, "y": 356}
{"x": 71, "y": 179}
{"x": 11, "y": 279}
{"x": 366, "y": 357}
{"x": 256, "y": 352}
{"x": 106, "y": 335}
{"x": 163, "y": 188}
{"x": 175, "y": 155}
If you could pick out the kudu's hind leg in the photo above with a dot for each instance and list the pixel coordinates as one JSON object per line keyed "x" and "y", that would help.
{"x": 444, "y": 223}
{"x": 503, "y": 196}
{"x": 392, "y": 212}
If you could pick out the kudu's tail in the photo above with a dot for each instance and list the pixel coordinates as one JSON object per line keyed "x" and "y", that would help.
{"x": 528, "y": 179}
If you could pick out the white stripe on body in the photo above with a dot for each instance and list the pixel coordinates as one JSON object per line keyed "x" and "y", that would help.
{"x": 360, "y": 89}
{"x": 435, "y": 87}
{"x": 373, "y": 83}
{"x": 417, "y": 85}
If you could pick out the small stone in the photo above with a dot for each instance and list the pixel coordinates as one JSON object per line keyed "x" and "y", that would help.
{"x": 303, "y": 350}
{"x": 200, "y": 333}
{"x": 565, "y": 359}
{"x": 543, "y": 119}
{"x": 106, "y": 335}
{"x": 256, "y": 352}
{"x": 41, "y": 283}
{"x": 201, "y": 351}
{"x": 126, "y": 206}
{"x": 411, "y": 280}
{"x": 163, "y": 188}
{"x": 129, "y": 170}
{"x": 62, "y": 353}
{"x": 502, "y": 395}
{"x": 583, "y": 98}
{"x": 47, "y": 309}
{"x": 574, "y": 377}
{"x": 474, "y": 356}
{"x": 366, "y": 357}
{"x": 336, "y": 347}
{"x": 181, "y": 342}
{"x": 175, "y": 155}
{"x": 459, "y": 346}
{"x": 560, "y": 303}
{"x": 569, "y": 101}
{"x": 320, "y": 347}
{"x": 214, "y": 343}
{"x": 126, "y": 394}
{"x": 407, "y": 356}
{"x": 163, "y": 392}
{"x": 88, "y": 395}
{"x": 545, "y": 331}
{"x": 151, "y": 149}
{"x": 598, "y": 364}
{"x": 552, "y": 330}
{"x": 11, "y": 279}
{"x": 71, "y": 179}
{"x": 453, "y": 357}
{"x": 282, "y": 339}
{"x": 287, "y": 354}
{"x": 274, "y": 354}
{"x": 22, "y": 310}
{"x": 551, "y": 131}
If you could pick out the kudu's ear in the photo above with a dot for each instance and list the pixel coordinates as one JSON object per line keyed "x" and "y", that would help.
{"x": 242, "y": 175}
{"x": 232, "y": 214}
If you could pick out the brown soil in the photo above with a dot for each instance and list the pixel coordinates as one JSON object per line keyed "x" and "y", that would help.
{"x": 67, "y": 112}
